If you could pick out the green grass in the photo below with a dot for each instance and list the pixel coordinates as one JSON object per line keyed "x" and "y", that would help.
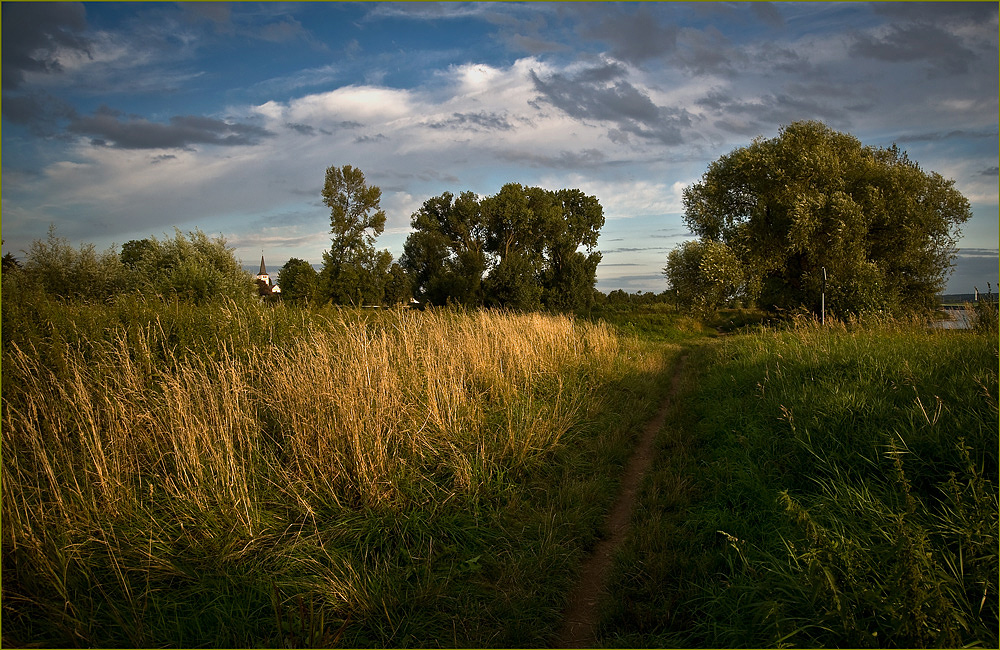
{"x": 242, "y": 475}
{"x": 820, "y": 487}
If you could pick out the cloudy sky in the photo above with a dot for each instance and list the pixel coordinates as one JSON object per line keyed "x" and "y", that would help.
{"x": 122, "y": 121}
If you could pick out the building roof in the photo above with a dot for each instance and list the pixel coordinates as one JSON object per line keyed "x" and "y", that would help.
{"x": 263, "y": 270}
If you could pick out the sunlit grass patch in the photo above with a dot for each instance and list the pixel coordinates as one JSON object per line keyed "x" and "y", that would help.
{"x": 240, "y": 475}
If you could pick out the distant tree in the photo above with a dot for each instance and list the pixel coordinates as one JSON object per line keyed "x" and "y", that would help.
{"x": 354, "y": 272}
{"x": 445, "y": 255}
{"x": 10, "y": 264}
{"x": 398, "y": 289}
{"x": 135, "y": 250}
{"x": 704, "y": 275}
{"x": 193, "y": 266}
{"x": 60, "y": 270}
{"x": 518, "y": 249}
{"x": 812, "y": 198}
{"x": 297, "y": 279}
{"x": 516, "y": 219}
{"x": 570, "y": 274}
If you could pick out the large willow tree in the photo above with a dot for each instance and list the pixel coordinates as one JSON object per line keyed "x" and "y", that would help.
{"x": 810, "y": 198}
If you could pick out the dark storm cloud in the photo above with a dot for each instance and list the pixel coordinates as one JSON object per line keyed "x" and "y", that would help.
{"x": 600, "y": 93}
{"x": 947, "y": 135}
{"x": 992, "y": 172}
{"x": 530, "y": 34}
{"x": 750, "y": 117}
{"x": 113, "y": 129}
{"x": 708, "y": 51}
{"x": 368, "y": 139}
{"x": 40, "y": 112}
{"x": 981, "y": 12}
{"x": 634, "y": 37}
{"x": 943, "y": 51}
{"x": 767, "y": 13}
{"x": 586, "y": 159}
{"x": 478, "y": 121}
{"x": 33, "y": 33}
{"x": 305, "y": 129}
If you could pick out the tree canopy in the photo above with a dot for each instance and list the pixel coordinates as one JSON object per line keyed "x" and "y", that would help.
{"x": 812, "y": 197}
{"x": 519, "y": 248}
{"x": 353, "y": 270}
{"x": 297, "y": 279}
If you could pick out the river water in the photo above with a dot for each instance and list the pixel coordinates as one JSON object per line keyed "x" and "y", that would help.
{"x": 956, "y": 319}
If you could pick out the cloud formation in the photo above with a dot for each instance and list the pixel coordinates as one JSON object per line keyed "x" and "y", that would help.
{"x": 111, "y": 128}
{"x": 602, "y": 93}
{"x": 35, "y": 33}
{"x": 226, "y": 115}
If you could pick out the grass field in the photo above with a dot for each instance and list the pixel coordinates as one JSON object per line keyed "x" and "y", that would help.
{"x": 821, "y": 487}
{"x": 246, "y": 475}
{"x": 240, "y": 475}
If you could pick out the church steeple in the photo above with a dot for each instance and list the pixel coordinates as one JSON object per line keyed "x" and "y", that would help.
{"x": 265, "y": 287}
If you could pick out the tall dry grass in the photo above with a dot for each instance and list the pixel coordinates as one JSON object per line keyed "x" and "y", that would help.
{"x": 133, "y": 459}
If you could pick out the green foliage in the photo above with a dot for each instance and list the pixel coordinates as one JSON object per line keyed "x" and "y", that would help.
{"x": 821, "y": 487}
{"x": 297, "y": 279}
{"x": 398, "y": 288}
{"x": 810, "y": 198}
{"x": 55, "y": 267}
{"x": 354, "y": 272}
{"x": 195, "y": 267}
{"x": 445, "y": 255}
{"x": 985, "y": 315}
{"x": 704, "y": 274}
{"x": 519, "y": 249}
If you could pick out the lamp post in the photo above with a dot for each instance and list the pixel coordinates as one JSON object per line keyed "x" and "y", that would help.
{"x": 822, "y": 312}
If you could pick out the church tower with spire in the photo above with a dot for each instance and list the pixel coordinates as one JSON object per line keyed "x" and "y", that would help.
{"x": 265, "y": 286}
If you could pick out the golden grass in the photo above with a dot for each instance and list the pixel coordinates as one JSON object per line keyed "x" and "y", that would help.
{"x": 352, "y": 413}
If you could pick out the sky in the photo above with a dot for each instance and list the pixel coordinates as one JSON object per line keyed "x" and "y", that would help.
{"x": 128, "y": 120}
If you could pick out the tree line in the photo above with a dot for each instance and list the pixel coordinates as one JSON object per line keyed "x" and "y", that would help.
{"x": 522, "y": 248}
{"x": 809, "y": 217}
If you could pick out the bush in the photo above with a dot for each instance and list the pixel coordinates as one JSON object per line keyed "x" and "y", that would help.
{"x": 984, "y": 316}
{"x": 60, "y": 270}
{"x": 195, "y": 267}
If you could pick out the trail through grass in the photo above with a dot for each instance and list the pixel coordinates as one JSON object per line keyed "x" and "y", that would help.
{"x": 820, "y": 487}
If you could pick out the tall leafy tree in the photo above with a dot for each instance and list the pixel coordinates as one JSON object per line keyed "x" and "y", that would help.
{"x": 568, "y": 280}
{"x": 813, "y": 198}
{"x": 519, "y": 248}
{"x": 515, "y": 221}
{"x": 354, "y": 272}
{"x": 703, "y": 274}
{"x": 446, "y": 254}
{"x": 297, "y": 279}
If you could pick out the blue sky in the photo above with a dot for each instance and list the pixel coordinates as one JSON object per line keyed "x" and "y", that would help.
{"x": 125, "y": 120}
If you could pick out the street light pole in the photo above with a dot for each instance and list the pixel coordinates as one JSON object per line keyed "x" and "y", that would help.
{"x": 822, "y": 313}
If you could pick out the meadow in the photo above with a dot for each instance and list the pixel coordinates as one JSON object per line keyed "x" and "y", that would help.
{"x": 236, "y": 474}
{"x": 820, "y": 486}
{"x": 244, "y": 475}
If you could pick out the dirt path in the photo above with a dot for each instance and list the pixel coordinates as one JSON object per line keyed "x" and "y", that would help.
{"x": 580, "y": 618}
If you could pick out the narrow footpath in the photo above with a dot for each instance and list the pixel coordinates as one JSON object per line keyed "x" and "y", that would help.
{"x": 581, "y": 616}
